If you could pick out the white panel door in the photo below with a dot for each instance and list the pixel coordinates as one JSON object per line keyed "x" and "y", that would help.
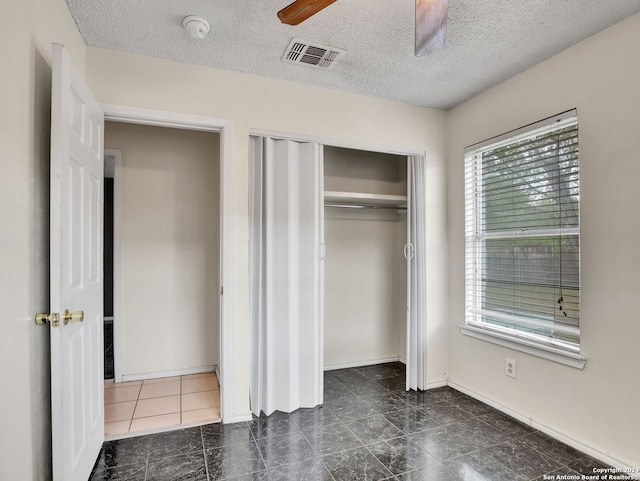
{"x": 77, "y": 409}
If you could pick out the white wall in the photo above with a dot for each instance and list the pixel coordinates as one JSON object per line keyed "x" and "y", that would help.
{"x": 599, "y": 405}
{"x": 27, "y": 29}
{"x": 260, "y": 103}
{"x": 170, "y": 247}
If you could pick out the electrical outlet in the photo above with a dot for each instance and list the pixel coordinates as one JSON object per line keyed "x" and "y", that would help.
{"x": 510, "y": 367}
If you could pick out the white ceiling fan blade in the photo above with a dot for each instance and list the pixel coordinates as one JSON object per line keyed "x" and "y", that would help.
{"x": 431, "y": 26}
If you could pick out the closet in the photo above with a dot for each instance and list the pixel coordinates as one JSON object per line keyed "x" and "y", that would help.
{"x": 365, "y": 270}
{"x": 337, "y": 266}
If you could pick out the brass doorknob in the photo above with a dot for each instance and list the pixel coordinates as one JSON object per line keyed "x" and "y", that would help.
{"x": 76, "y": 316}
{"x": 43, "y": 318}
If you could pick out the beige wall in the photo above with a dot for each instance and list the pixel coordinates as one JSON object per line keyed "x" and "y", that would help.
{"x": 353, "y": 170}
{"x": 361, "y": 286}
{"x": 252, "y": 102}
{"x": 599, "y": 405}
{"x": 170, "y": 248}
{"x": 27, "y": 29}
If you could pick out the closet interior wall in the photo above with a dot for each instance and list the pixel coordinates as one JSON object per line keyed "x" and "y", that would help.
{"x": 365, "y": 269}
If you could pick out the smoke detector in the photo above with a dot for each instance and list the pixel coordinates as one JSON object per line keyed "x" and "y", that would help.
{"x": 312, "y": 55}
{"x": 196, "y": 27}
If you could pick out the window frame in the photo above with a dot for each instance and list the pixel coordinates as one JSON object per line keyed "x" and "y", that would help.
{"x": 475, "y": 238}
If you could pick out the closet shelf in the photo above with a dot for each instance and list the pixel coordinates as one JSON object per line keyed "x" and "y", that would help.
{"x": 364, "y": 199}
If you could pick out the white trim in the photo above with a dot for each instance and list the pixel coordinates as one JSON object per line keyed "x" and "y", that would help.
{"x": 160, "y": 118}
{"x": 500, "y": 407}
{"x": 321, "y": 253}
{"x": 522, "y": 345}
{"x": 570, "y": 117}
{"x": 170, "y": 373}
{"x": 227, "y": 373}
{"x": 369, "y": 362}
{"x": 605, "y": 458}
{"x": 327, "y": 142}
{"x": 119, "y": 113}
{"x": 549, "y": 325}
{"x": 436, "y": 384}
{"x": 238, "y": 418}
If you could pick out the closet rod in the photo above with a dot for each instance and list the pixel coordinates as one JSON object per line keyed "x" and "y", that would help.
{"x": 365, "y": 206}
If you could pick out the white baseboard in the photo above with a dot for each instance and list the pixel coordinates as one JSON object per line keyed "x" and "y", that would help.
{"x": 433, "y": 385}
{"x": 594, "y": 453}
{"x": 174, "y": 372}
{"x": 237, "y": 418}
{"x": 370, "y": 362}
{"x": 500, "y": 407}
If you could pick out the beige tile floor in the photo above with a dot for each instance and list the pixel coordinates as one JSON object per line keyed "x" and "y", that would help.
{"x": 167, "y": 402}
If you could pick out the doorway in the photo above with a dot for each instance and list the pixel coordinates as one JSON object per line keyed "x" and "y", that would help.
{"x": 109, "y": 171}
{"x": 165, "y": 266}
{"x": 365, "y": 271}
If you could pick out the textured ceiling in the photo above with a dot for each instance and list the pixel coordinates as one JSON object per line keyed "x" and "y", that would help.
{"x": 488, "y": 41}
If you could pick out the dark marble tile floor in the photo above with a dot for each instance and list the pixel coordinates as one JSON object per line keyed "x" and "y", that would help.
{"x": 369, "y": 429}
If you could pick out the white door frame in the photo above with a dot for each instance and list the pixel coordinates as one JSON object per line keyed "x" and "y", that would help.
{"x": 158, "y": 118}
{"x": 330, "y": 142}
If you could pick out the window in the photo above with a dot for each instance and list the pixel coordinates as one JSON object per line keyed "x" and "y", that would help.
{"x": 522, "y": 198}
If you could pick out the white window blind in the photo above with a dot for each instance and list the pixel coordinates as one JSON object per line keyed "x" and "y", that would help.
{"x": 523, "y": 234}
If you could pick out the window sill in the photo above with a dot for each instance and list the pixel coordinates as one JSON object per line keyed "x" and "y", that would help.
{"x": 569, "y": 359}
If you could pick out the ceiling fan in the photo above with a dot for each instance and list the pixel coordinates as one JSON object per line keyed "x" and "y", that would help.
{"x": 431, "y": 20}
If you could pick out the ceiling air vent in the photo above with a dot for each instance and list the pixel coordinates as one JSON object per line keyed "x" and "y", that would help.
{"x": 312, "y": 55}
